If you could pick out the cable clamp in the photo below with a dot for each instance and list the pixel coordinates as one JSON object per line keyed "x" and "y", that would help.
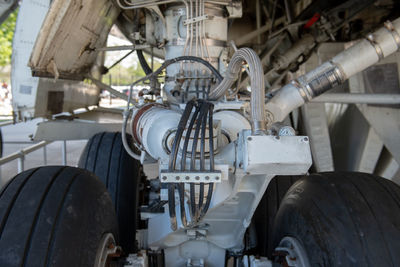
{"x": 371, "y": 39}
{"x": 396, "y": 36}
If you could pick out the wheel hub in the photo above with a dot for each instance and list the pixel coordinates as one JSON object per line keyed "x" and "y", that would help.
{"x": 293, "y": 253}
{"x": 106, "y": 251}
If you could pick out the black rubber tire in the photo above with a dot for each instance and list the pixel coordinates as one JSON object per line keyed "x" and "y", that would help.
{"x": 105, "y": 156}
{"x": 54, "y": 216}
{"x": 1, "y": 143}
{"x": 343, "y": 219}
{"x": 263, "y": 218}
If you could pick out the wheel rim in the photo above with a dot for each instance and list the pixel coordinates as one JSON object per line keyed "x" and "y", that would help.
{"x": 293, "y": 252}
{"x": 106, "y": 251}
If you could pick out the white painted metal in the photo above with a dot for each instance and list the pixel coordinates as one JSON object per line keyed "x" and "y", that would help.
{"x": 155, "y": 129}
{"x": 260, "y": 157}
{"x": 191, "y": 177}
{"x": 344, "y": 65}
{"x": 251, "y": 261}
{"x": 358, "y": 98}
{"x": 235, "y": 200}
{"x": 384, "y": 120}
{"x": 31, "y": 94}
{"x": 72, "y": 130}
{"x": 6, "y": 7}
{"x": 136, "y": 260}
{"x": 316, "y": 127}
{"x": 296, "y": 254}
{"x": 24, "y": 86}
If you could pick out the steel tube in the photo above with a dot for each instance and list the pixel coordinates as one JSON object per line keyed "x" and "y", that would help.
{"x": 123, "y": 47}
{"x": 357, "y": 58}
{"x": 64, "y": 152}
{"x": 23, "y": 152}
{"x": 383, "y": 99}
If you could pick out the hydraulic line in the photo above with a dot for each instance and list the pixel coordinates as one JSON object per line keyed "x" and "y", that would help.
{"x": 211, "y": 156}
{"x": 178, "y": 135}
{"x": 183, "y": 158}
{"x": 143, "y": 62}
{"x": 171, "y": 167}
{"x": 202, "y": 159}
{"x": 355, "y": 59}
{"x": 203, "y": 113}
{"x": 257, "y": 85}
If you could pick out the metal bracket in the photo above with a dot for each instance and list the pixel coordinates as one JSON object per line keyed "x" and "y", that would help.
{"x": 396, "y": 36}
{"x": 191, "y": 177}
{"x": 371, "y": 39}
{"x": 194, "y": 20}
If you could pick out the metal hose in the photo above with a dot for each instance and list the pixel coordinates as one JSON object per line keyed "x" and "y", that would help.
{"x": 256, "y": 81}
{"x": 357, "y": 58}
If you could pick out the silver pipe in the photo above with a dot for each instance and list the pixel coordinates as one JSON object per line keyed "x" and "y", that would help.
{"x": 345, "y": 98}
{"x": 123, "y": 47}
{"x": 357, "y": 58}
{"x": 257, "y": 85}
{"x": 23, "y": 152}
{"x": 108, "y": 88}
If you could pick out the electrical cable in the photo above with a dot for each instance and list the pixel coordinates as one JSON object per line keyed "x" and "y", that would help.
{"x": 202, "y": 159}
{"x": 203, "y": 112}
{"x": 183, "y": 159}
{"x": 178, "y": 135}
{"x": 171, "y": 167}
{"x": 211, "y": 157}
{"x": 143, "y": 63}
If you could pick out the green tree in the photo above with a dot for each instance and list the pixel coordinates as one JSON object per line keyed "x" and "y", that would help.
{"x": 6, "y": 37}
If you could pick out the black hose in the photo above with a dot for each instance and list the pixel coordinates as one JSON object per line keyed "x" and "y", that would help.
{"x": 202, "y": 158}
{"x": 179, "y": 132}
{"x": 181, "y": 190}
{"x": 183, "y": 159}
{"x": 211, "y": 135}
{"x": 143, "y": 63}
{"x": 171, "y": 167}
{"x": 171, "y": 205}
{"x": 211, "y": 154}
{"x": 187, "y": 138}
{"x": 189, "y": 58}
{"x": 193, "y": 199}
{"x": 203, "y": 112}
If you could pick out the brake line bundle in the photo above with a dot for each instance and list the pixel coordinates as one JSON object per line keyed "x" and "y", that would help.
{"x": 203, "y": 113}
{"x": 154, "y": 75}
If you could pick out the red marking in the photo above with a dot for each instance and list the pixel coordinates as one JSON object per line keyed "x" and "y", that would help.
{"x": 311, "y": 21}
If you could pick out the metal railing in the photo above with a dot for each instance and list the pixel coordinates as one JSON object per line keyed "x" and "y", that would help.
{"x": 20, "y": 155}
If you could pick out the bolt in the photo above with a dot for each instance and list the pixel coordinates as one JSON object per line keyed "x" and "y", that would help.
{"x": 187, "y": 178}
{"x": 216, "y": 178}
{"x": 197, "y": 178}
{"x": 177, "y": 178}
{"x": 305, "y": 139}
{"x": 164, "y": 178}
{"x": 277, "y": 138}
{"x": 207, "y": 178}
{"x": 249, "y": 138}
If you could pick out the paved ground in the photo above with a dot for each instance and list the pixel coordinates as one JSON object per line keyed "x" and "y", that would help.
{"x": 21, "y": 132}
